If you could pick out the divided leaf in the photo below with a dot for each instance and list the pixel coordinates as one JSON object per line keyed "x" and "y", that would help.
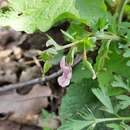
{"x": 115, "y": 65}
{"x": 124, "y": 101}
{"x": 75, "y": 125}
{"x": 104, "y": 99}
{"x": 114, "y": 126}
{"x": 78, "y": 96}
{"x": 79, "y": 73}
{"x": 121, "y": 83}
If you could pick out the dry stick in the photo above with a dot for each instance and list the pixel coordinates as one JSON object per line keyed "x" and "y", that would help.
{"x": 37, "y": 80}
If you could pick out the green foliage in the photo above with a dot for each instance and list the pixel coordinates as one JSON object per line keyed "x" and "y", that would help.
{"x": 80, "y": 72}
{"x": 71, "y": 55}
{"x": 120, "y": 82}
{"x": 88, "y": 65}
{"x": 51, "y": 56}
{"x": 46, "y": 117}
{"x": 77, "y": 30}
{"x": 103, "y": 56}
{"x": 104, "y": 99}
{"x": 98, "y": 95}
{"x": 32, "y": 15}
{"x": 112, "y": 77}
{"x": 114, "y": 126}
{"x": 115, "y": 65}
{"x": 78, "y": 96}
{"x": 76, "y": 116}
{"x": 124, "y": 101}
{"x": 75, "y": 125}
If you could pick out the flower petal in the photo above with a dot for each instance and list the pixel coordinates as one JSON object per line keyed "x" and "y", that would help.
{"x": 64, "y": 80}
{"x": 62, "y": 62}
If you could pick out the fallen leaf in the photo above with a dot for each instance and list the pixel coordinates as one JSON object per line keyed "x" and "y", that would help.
{"x": 17, "y": 52}
{"x": 5, "y": 53}
{"x": 8, "y": 35}
{"x": 8, "y": 72}
{"x": 6, "y": 125}
{"x": 28, "y": 74}
{"x": 24, "y": 109}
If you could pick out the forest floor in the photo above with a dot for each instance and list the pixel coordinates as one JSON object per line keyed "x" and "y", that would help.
{"x": 21, "y": 108}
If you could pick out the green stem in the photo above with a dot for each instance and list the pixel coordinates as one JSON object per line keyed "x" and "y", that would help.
{"x": 112, "y": 119}
{"x": 120, "y": 10}
{"x": 107, "y": 36}
{"x": 99, "y": 36}
{"x": 70, "y": 45}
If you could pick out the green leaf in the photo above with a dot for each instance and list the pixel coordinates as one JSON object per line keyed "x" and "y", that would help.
{"x": 71, "y": 54}
{"x": 114, "y": 126}
{"x": 115, "y": 65}
{"x": 89, "y": 66}
{"x": 124, "y": 101}
{"x": 32, "y": 15}
{"x": 120, "y": 82}
{"x": 103, "y": 56}
{"x": 127, "y": 53}
{"x": 90, "y": 10}
{"x": 89, "y": 43}
{"x": 56, "y": 59}
{"x": 45, "y": 56}
{"x": 47, "y": 129}
{"x": 47, "y": 66}
{"x": 79, "y": 73}
{"x": 104, "y": 99}
{"x": 75, "y": 125}
{"x": 100, "y": 25}
{"x": 46, "y": 118}
{"x": 36, "y": 14}
{"x": 128, "y": 63}
{"x": 111, "y": 2}
{"x": 68, "y": 36}
{"x": 78, "y": 96}
{"x": 77, "y": 30}
{"x": 52, "y": 51}
{"x": 51, "y": 42}
{"x": 125, "y": 126}
{"x": 91, "y": 127}
{"x": 124, "y": 30}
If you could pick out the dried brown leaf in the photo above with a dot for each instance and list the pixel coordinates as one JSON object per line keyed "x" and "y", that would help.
{"x": 24, "y": 108}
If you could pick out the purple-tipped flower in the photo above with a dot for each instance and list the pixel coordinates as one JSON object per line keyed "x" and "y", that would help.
{"x": 64, "y": 79}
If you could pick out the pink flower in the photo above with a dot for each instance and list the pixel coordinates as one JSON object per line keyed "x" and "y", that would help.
{"x": 64, "y": 79}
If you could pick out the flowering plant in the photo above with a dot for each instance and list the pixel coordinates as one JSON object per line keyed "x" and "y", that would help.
{"x": 99, "y": 31}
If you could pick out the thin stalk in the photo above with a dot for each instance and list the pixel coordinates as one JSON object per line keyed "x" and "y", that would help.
{"x": 66, "y": 46}
{"x": 98, "y": 36}
{"x": 112, "y": 119}
{"x": 106, "y": 36}
{"x": 120, "y": 11}
{"x": 70, "y": 45}
{"x": 85, "y": 53}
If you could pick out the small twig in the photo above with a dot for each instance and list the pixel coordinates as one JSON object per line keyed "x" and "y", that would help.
{"x": 37, "y": 80}
{"x": 32, "y": 62}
